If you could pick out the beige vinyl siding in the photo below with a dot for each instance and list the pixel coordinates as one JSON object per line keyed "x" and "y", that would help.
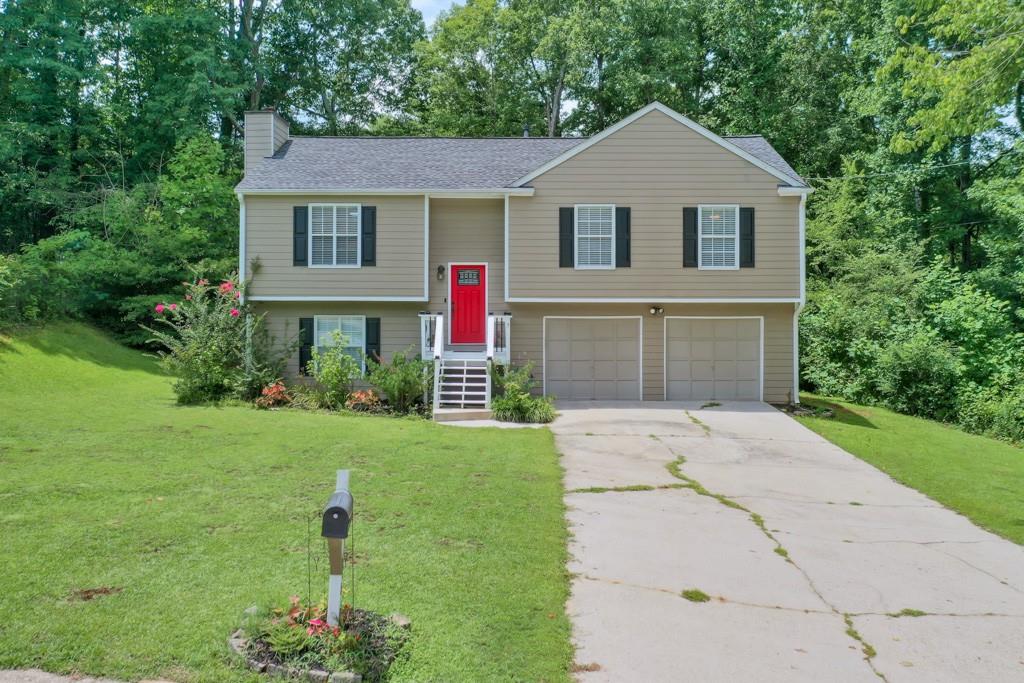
{"x": 527, "y": 338}
{"x": 257, "y": 138}
{"x": 467, "y": 231}
{"x": 399, "y": 269}
{"x": 656, "y": 166}
{"x": 399, "y": 323}
{"x": 280, "y": 132}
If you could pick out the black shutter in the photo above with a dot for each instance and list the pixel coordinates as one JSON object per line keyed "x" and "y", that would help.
{"x": 300, "y": 232}
{"x": 369, "y": 256}
{"x": 305, "y": 344}
{"x": 566, "y": 239}
{"x": 690, "y": 237}
{"x": 372, "y": 349}
{"x": 622, "y": 236}
{"x": 747, "y": 237}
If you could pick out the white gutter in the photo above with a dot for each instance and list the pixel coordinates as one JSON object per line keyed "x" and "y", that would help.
{"x": 790, "y": 191}
{"x": 444, "y": 193}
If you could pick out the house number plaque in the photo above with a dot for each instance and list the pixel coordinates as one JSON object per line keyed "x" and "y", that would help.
{"x": 469, "y": 277}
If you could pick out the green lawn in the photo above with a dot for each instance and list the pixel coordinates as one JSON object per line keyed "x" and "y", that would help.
{"x": 979, "y": 477}
{"x": 197, "y": 513}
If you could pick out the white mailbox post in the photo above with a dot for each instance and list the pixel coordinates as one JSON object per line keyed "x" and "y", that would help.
{"x": 336, "y": 521}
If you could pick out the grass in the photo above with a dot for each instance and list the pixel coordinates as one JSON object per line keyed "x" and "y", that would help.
{"x": 695, "y": 595}
{"x": 979, "y": 477}
{"x": 135, "y": 531}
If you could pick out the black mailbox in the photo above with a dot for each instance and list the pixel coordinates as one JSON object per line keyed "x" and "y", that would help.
{"x": 337, "y": 515}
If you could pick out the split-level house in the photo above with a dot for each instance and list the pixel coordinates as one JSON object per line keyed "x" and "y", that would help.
{"x": 655, "y": 260}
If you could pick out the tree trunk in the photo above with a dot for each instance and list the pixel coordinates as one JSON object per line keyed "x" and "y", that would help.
{"x": 555, "y": 111}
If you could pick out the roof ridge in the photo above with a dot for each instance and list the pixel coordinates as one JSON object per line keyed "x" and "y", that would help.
{"x": 432, "y": 137}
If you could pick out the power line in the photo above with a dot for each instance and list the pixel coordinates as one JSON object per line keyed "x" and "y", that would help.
{"x": 889, "y": 173}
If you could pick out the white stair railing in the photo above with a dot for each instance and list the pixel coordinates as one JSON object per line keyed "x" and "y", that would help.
{"x": 437, "y": 352}
{"x": 427, "y": 334}
{"x": 500, "y": 336}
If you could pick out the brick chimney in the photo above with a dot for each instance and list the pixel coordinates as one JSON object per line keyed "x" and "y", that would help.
{"x": 265, "y": 132}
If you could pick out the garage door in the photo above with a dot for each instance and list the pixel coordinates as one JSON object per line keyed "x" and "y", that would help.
{"x": 713, "y": 358}
{"x": 592, "y": 358}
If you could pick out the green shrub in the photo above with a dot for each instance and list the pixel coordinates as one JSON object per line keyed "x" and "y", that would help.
{"x": 917, "y": 375}
{"x": 335, "y": 370}
{"x": 995, "y": 410}
{"x": 403, "y": 381}
{"x": 515, "y": 402}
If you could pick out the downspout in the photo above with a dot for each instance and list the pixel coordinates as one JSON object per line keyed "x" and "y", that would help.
{"x": 241, "y": 281}
{"x": 241, "y": 239}
{"x": 803, "y": 297}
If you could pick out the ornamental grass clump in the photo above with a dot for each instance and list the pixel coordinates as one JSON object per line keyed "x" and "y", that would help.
{"x": 215, "y": 346}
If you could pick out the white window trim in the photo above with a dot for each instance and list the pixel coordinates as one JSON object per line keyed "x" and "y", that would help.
{"x": 700, "y": 236}
{"x": 334, "y": 236}
{"x": 316, "y": 334}
{"x": 576, "y": 236}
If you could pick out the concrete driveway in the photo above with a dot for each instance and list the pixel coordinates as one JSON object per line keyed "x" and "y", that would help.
{"x": 807, "y": 554}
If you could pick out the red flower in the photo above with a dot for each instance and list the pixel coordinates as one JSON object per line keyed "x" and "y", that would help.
{"x": 226, "y": 286}
{"x": 173, "y": 306}
{"x": 159, "y": 308}
{"x": 234, "y": 312}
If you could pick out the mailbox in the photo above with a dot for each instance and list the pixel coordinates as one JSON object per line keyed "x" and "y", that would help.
{"x": 337, "y": 515}
{"x": 335, "y": 528}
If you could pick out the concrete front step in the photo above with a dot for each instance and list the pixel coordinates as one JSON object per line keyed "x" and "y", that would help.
{"x": 459, "y": 414}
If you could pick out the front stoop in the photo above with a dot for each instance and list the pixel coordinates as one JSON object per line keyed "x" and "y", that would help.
{"x": 459, "y": 414}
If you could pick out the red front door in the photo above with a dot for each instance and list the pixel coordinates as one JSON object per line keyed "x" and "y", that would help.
{"x": 468, "y": 304}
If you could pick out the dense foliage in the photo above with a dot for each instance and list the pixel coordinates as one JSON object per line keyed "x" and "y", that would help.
{"x": 120, "y": 129}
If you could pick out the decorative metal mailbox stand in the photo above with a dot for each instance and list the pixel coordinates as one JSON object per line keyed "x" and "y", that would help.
{"x": 337, "y": 518}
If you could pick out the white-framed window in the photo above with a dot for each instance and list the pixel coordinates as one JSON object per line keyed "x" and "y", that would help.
{"x": 352, "y": 329}
{"x": 718, "y": 237}
{"x": 335, "y": 235}
{"x": 595, "y": 235}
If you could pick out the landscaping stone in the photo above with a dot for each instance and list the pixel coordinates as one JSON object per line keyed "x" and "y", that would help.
{"x": 400, "y": 620}
{"x": 346, "y": 677}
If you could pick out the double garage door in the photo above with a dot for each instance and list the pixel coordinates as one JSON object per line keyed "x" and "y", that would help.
{"x": 601, "y": 358}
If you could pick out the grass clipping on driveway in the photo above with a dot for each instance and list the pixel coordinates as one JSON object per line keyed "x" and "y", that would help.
{"x": 979, "y": 477}
{"x": 173, "y": 520}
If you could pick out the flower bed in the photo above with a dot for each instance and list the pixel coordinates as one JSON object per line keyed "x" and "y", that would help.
{"x": 297, "y": 642}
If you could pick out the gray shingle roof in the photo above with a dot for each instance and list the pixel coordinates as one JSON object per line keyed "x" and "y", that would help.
{"x": 321, "y": 163}
{"x": 411, "y": 163}
{"x": 757, "y": 146}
